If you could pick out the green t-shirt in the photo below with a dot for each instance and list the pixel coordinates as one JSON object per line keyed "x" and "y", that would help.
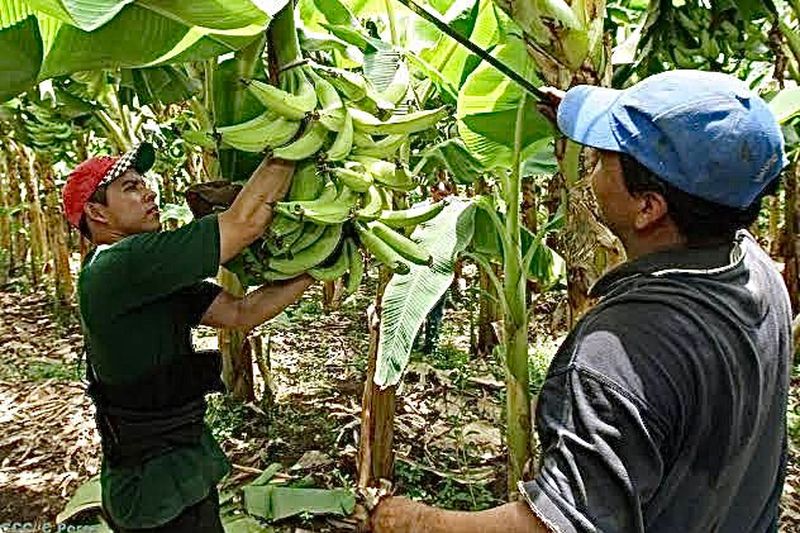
{"x": 139, "y": 299}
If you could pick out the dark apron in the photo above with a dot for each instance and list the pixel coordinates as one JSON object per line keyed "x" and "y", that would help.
{"x": 161, "y": 411}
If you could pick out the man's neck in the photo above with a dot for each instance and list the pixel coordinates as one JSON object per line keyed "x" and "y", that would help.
{"x": 666, "y": 237}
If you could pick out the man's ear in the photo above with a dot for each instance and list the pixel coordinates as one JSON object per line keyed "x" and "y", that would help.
{"x": 652, "y": 209}
{"x": 95, "y": 212}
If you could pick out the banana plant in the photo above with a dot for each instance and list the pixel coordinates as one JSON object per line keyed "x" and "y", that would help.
{"x": 48, "y": 38}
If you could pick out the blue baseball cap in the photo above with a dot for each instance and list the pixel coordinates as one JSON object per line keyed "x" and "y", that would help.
{"x": 706, "y": 133}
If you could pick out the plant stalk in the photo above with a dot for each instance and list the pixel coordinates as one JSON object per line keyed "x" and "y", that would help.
{"x": 518, "y": 405}
{"x": 282, "y": 35}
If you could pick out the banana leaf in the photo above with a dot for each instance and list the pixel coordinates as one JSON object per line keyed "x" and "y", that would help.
{"x": 488, "y": 103}
{"x": 546, "y": 266}
{"x": 40, "y": 39}
{"x": 453, "y": 156}
{"x": 786, "y": 104}
{"x": 409, "y": 298}
{"x": 277, "y": 503}
{"x": 479, "y": 22}
{"x": 166, "y": 85}
{"x": 86, "y": 497}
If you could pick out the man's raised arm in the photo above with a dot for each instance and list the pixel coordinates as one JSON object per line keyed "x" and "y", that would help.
{"x": 247, "y": 218}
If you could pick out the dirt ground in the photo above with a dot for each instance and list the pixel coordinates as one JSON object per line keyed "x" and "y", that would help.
{"x": 449, "y": 411}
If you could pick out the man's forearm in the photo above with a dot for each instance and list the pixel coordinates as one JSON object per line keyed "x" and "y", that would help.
{"x": 400, "y": 515}
{"x": 268, "y": 301}
{"x": 267, "y": 184}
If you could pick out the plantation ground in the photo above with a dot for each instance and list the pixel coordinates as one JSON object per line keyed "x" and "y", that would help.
{"x": 449, "y": 410}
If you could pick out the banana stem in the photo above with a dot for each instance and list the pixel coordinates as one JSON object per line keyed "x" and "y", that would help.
{"x": 518, "y": 410}
{"x": 247, "y": 60}
{"x": 115, "y": 133}
{"x": 392, "y": 22}
{"x": 283, "y": 36}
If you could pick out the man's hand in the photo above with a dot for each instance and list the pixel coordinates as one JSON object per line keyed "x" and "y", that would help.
{"x": 252, "y": 210}
{"x": 549, "y": 107}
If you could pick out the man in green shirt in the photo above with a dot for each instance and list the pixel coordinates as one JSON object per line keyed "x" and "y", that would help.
{"x": 140, "y": 292}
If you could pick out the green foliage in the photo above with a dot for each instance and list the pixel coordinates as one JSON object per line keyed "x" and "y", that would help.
{"x": 448, "y": 494}
{"x": 225, "y": 417}
{"x": 408, "y": 299}
{"x": 43, "y": 38}
{"x": 488, "y": 103}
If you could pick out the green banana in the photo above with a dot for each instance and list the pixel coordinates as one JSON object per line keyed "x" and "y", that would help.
{"x": 292, "y": 106}
{"x": 344, "y": 141}
{"x": 311, "y": 232}
{"x": 412, "y": 216}
{"x": 401, "y": 244}
{"x": 374, "y": 104}
{"x": 373, "y": 207}
{"x": 333, "y": 119}
{"x": 356, "y": 265}
{"x": 405, "y": 124}
{"x": 327, "y": 96}
{"x": 266, "y": 130}
{"x": 686, "y": 21}
{"x": 307, "y": 145}
{"x": 381, "y": 250}
{"x": 387, "y": 173}
{"x": 335, "y": 270}
{"x": 311, "y": 256}
{"x": 283, "y": 225}
{"x": 306, "y": 184}
{"x": 268, "y": 274}
{"x": 203, "y": 139}
{"x": 382, "y": 149}
{"x": 322, "y": 211}
{"x": 280, "y": 245}
{"x": 358, "y": 181}
{"x": 349, "y": 84}
{"x": 398, "y": 87}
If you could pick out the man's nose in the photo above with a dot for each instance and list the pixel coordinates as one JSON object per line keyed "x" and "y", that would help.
{"x": 150, "y": 194}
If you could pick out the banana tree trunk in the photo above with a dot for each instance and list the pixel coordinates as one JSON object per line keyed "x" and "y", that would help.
{"x": 791, "y": 269}
{"x": 6, "y": 250}
{"x": 587, "y": 246}
{"x": 36, "y": 236}
{"x": 18, "y": 250}
{"x": 774, "y": 231}
{"x": 489, "y": 309}
{"x": 57, "y": 235}
{"x": 375, "y": 454}
{"x": 518, "y": 396}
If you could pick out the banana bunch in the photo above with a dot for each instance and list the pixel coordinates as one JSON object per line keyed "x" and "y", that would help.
{"x": 321, "y": 228}
{"x": 43, "y": 130}
{"x": 345, "y": 136}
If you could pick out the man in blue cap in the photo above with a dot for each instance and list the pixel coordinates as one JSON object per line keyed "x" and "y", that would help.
{"x": 664, "y": 409}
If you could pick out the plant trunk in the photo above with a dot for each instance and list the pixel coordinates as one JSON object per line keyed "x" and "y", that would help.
{"x": 489, "y": 314}
{"x": 57, "y": 235}
{"x": 237, "y": 360}
{"x": 6, "y": 250}
{"x": 37, "y": 236}
{"x": 518, "y": 401}
{"x": 791, "y": 269}
{"x": 588, "y": 247}
{"x": 18, "y": 249}
{"x": 375, "y": 454}
{"x": 283, "y": 48}
{"x": 774, "y": 231}
{"x": 332, "y": 292}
